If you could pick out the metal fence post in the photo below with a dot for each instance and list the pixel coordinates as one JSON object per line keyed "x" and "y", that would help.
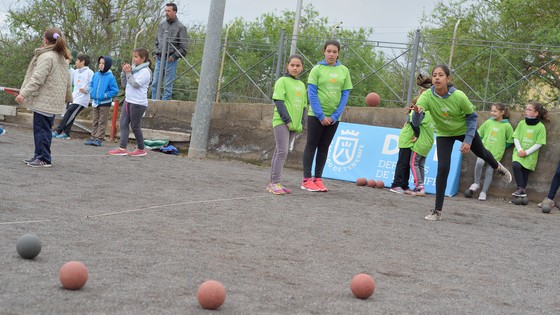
{"x": 162, "y": 63}
{"x": 413, "y": 68}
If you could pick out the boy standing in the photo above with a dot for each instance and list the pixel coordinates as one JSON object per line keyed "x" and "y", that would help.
{"x": 81, "y": 79}
{"x": 103, "y": 88}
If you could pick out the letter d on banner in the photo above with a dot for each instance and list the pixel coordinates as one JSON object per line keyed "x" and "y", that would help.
{"x": 391, "y": 144}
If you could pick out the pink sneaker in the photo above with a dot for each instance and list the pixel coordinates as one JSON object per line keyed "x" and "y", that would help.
{"x": 319, "y": 183}
{"x": 309, "y": 185}
{"x": 138, "y": 152}
{"x": 118, "y": 151}
{"x": 286, "y": 190}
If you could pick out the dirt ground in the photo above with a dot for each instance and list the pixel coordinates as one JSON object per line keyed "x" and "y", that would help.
{"x": 151, "y": 230}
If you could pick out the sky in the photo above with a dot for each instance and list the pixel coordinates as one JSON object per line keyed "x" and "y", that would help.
{"x": 394, "y": 16}
{"x": 384, "y": 16}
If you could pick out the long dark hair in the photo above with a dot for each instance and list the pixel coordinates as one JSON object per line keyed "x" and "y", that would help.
{"x": 542, "y": 112}
{"x": 503, "y": 107}
{"x": 446, "y": 71}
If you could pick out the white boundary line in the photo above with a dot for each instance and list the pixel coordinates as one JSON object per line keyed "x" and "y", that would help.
{"x": 170, "y": 205}
{"x": 22, "y": 222}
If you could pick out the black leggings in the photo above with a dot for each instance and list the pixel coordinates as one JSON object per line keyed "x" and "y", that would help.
{"x": 319, "y": 139}
{"x": 444, "y": 150}
{"x": 520, "y": 174}
{"x": 555, "y": 183}
{"x": 402, "y": 170}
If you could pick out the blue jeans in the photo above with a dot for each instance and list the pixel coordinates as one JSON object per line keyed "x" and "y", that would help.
{"x": 42, "y": 136}
{"x": 169, "y": 69}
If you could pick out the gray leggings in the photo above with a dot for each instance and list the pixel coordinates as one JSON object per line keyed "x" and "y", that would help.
{"x": 487, "y": 176}
{"x": 283, "y": 138}
{"x": 132, "y": 114}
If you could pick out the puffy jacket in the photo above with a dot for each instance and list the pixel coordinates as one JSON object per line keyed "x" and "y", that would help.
{"x": 103, "y": 86}
{"x": 47, "y": 87}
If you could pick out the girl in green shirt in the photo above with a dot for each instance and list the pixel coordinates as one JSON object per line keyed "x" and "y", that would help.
{"x": 290, "y": 98}
{"x": 455, "y": 120}
{"x": 328, "y": 89}
{"x": 529, "y": 136}
{"x": 497, "y": 135}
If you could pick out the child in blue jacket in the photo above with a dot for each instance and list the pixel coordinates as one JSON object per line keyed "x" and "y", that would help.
{"x": 103, "y": 88}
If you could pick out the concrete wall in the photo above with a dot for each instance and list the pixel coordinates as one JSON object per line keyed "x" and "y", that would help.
{"x": 244, "y": 131}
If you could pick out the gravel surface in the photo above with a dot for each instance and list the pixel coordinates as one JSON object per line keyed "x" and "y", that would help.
{"x": 152, "y": 229}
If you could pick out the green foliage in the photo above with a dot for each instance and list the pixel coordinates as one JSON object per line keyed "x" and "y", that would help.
{"x": 487, "y": 64}
{"x": 97, "y": 27}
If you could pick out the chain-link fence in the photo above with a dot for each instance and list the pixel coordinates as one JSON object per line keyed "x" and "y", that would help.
{"x": 487, "y": 72}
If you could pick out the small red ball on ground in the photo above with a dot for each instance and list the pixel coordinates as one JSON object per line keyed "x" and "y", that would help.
{"x": 362, "y": 286}
{"x": 371, "y": 183}
{"x": 380, "y": 184}
{"x": 211, "y": 294}
{"x": 361, "y": 181}
{"x": 373, "y": 99}
{"x": 73, "y": 275}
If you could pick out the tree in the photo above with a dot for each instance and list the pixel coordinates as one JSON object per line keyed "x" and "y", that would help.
{"x": 95, "y": 27}
{"x": 501, "y": 44}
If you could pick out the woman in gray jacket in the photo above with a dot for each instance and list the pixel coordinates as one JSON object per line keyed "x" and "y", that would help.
{"x": 46, "y": 90}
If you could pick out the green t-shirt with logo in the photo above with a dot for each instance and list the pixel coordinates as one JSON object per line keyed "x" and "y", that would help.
{"x": 495, "y": 136}
{"x": 425, "y": 140}
{"x": 406, "y": 136}
{"x": 293, "y": 93}
{"x": 330, "y": 82}
{"x": 448, "y": 113}
{"x": 529, "y": 135}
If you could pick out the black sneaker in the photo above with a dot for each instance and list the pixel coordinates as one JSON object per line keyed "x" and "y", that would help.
{"x": 39, "y": 163}
{"x": 519, "y": 193}
{"x": 28, "y": 161}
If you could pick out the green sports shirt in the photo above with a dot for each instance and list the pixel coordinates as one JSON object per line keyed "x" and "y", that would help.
{"x": 293, "y": 93}
{"x": 495, "y": 136}
{"x": 330, "y": 82}
{"x": 449, "y": 113}
{"x": 528, "y": 136}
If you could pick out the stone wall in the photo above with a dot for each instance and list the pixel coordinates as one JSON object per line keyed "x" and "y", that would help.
{"x": 244, "y": 131}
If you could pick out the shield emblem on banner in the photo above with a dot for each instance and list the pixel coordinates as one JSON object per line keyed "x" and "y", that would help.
{"x": 344, "y": 150}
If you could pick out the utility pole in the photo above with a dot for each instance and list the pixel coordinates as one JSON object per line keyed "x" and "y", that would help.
{"x": 295, "y": 33}
{"x": 208, "y": 80}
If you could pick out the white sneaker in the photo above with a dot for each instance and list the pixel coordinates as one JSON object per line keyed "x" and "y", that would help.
{"x": 546, "y": 201}
{"x": 482, "y": 196}
{"x": 434, "y": 216}
{"x": 502, "y": 171}
{"x": 474, "y": 187}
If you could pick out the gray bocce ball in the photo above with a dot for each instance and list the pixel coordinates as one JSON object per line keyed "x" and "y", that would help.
{"x": 468, "y": 193}
{"x": 28, "y": 246}
{"x": 524, "y": 201}
{"x": 546, "y": 208}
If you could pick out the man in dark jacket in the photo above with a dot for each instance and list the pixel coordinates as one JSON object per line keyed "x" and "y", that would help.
{"x": 176, "y": 34}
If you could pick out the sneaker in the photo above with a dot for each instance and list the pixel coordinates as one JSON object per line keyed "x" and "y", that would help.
{"x": 410, "y": 192}
{"x": 275, "y": 189}
{"x": 118, "y": 151}
{"x": 434, "y": 216}
{"x": 2, "y": 131}
{"x": 39, "y": 163}
{"x": 28, "y": 161}
{"x": 397, "y": 190}
{"x": 89, "y": 142}
{"x": 54, "y": 134}
{"x": 519, "y": 193}
{"x": 62, "y": 136}
{"x": 502, "y": 171}
{"x": 420, "y": 191}
{"x": 309, "y": 185}
{"x": 546, "y": 201}
{"x": 96, "y": 143}
{"x": 319, "y": 183}
{"x": 138, "y": 152}
{"x": 286, "y": 190}
{"x": 474, "y": 187}
{"x": 482, "y": 196}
